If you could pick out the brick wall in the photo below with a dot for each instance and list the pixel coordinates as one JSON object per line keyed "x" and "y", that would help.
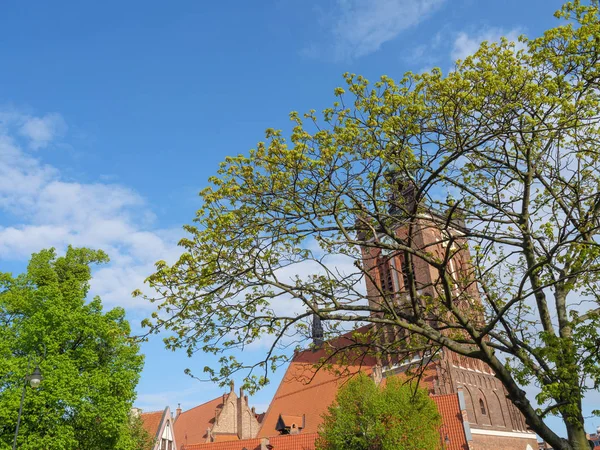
{"x": 483, "y": 442}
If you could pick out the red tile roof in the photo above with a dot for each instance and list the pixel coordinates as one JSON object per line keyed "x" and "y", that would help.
{"x": 452, "y": 426}
{"x": 191, "y": 425}
{"x": 248, "y": 444}
{"x": 304, "y": 392}
{"x": 287, "y": 442}
{"x": 151, "y": 421}
{"x": 225, "y": 437}
{"x": 294, "y": 442}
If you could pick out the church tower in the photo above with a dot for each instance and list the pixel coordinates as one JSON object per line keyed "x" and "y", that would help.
{"x": 494, "y": 421}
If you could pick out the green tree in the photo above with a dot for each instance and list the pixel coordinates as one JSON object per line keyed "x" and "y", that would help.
{"x": 365, "y": 416}
{"x": 90, "y": 366}
{"x": 139, "y": 437}
{"x": 507, "y": 144}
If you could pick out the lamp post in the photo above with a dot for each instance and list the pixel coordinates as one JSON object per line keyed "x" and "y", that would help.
{"x": 34, "y": 381}
{"x": 444, "y": 439}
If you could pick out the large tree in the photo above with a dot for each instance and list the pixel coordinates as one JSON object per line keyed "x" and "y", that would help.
{"x": 507, "y": 144}
{"x": 365, "y": 416}
{"x": 89, "y": 364}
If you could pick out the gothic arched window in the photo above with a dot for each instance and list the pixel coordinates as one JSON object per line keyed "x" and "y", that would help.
{"x": 482, "y": 406}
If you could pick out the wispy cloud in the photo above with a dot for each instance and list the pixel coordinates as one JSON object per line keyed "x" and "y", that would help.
{"x": 466, "y": 44}
{"x": 42, "y": 130}
{"x": 360, "y": 27}
{"x": 45, "y": 211}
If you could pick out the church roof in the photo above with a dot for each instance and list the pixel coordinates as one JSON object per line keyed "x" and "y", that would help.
{"x": 302, "y": 392}
{"x": 304, "y": 395}
{"x": 191, "y": 425}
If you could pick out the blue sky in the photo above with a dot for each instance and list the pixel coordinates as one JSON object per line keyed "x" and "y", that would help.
{"x": 114, "y": 114}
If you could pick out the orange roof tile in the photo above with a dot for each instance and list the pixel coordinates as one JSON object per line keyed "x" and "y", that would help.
{"x": 225, "y": 437}
{"x": 307, "y": 392}
{"x": 151, "y": 421}
{"x": 191, "y": 425}
{"x": 300, "y": 441}
{"x": 248, "y": 444}
{"x": 288, "y": 442}
{"x": 452, "y": 425}
{"x": 304, "y": 392}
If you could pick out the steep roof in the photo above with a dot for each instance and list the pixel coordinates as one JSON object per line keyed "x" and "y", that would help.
{"x": 287, "y": 442}
{"x": 306, "y": 392}
{"x": 151, "y": 421}
{"x": 452, "y": 426}
{"x": 191, "y": 425}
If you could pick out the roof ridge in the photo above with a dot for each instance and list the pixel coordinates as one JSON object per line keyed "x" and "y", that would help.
{"x": 452, "y": 394}
{"x": 202, "y": 404}
{"x": 308, "y": 386}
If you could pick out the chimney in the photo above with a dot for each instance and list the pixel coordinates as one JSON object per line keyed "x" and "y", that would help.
{"x": 377, "y": 374}
{"x": 317, "y": 331}
{"x": 178, "y": 410}
{"x": 264, "y": 444}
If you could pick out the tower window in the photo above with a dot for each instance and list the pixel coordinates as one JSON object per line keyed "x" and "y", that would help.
{"x": 482, "y": 406}
{"x": 385, "y": 276}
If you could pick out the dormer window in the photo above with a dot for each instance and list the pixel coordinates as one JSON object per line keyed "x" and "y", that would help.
{"x": 287, "y": 424}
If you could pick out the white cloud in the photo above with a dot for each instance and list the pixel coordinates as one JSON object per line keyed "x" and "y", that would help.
{"x": 467, "y": 44}
{"x": 361, "y": 27}
{"x": 42, "y": 130}
{"x": 47, "y": 211}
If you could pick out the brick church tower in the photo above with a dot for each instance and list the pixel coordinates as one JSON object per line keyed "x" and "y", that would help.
{"x": 495, "y": 423}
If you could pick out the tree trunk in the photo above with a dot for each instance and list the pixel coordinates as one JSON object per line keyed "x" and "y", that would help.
{"x": 576, "y": 434}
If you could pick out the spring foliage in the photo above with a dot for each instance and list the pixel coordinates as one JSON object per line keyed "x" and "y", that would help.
{"x": 90, "y": 367}
{"x": 365, "y": 416}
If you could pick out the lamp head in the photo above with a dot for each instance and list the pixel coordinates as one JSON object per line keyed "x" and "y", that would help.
{"x": 35, "y": 378}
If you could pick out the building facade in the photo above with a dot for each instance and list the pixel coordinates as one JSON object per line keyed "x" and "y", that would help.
{"x": 159, "y": 425}
{"x": 225, "y": 418}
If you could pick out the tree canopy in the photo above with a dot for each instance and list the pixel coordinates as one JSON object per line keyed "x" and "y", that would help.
{"x": 89, "y": 364}
{"x": 365, "y": 416}
{"x": 506, "y": 144}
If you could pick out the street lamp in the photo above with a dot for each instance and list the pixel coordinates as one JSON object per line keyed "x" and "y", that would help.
{"x": 446, "y": 440}
{"x": 34, "y": 381}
